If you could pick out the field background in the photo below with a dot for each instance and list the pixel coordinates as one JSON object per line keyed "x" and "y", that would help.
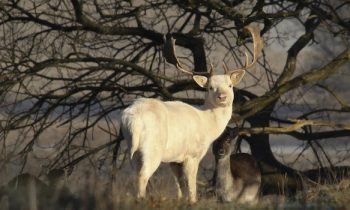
{"x": 96, "y": 180}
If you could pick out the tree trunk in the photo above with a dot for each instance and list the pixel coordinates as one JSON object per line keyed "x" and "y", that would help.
{"x": 277, "y": 177}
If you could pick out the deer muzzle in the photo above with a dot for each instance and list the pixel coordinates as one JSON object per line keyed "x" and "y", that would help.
{"x": 222, "y": 97}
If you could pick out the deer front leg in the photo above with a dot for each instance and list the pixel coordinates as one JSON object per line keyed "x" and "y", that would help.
{"x": 190, "y": 171}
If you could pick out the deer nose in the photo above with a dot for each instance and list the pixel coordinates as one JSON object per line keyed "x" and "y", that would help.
{"x": 222, "y": 96}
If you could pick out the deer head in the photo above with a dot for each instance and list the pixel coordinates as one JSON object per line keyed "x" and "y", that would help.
{"x": 219, "y": 87}
{"x": 222, "y": 147}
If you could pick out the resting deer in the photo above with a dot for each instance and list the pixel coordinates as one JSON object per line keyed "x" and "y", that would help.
{"x": 27, "y": 192}
{"x": 176, "y": 132}
{"x": 238, "y": 176}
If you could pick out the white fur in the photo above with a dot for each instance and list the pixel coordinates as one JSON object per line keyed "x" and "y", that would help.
{"x": 174, "y": 131}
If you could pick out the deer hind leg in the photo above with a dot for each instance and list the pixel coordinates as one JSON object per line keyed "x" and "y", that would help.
{"x": 249, "y": 193}
{"x": 177, "y": 169}
{"x": 149, "y": 165}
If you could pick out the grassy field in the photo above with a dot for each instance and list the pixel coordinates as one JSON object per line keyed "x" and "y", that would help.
{"x": 90, "y": 186}
{"x": 318, "y": 198}
{"x": 336, "y": 197}
{"x": 323, "y": 197}
{"x": 89, "y": 189}
{"x": 98, "y": 196}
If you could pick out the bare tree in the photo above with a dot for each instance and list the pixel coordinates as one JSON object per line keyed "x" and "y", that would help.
{"x": 69, "y": 61}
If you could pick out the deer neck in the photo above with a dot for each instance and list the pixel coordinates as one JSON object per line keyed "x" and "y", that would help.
{"x": 220, "y": 114}
{"x": 217, "y": 119}
{"x": 224, "y": 181}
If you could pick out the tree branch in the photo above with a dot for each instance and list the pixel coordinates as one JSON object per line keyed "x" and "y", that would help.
{"x": 253, "y": 106}
{"x": 298, "y": 124}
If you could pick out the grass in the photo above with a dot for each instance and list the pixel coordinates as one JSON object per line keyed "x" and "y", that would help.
{"x": 336, "y": 194}
{"x": 320, "y": 197}
{"x": 87, "y": 190}
{"x": 274, "y": 204}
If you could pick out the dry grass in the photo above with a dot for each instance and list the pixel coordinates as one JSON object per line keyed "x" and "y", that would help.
{"x": 94, "y": 194}
{"x": 90, "y": 186}
{"x": 90, "y": 189}
{"x": 337, "y": 194}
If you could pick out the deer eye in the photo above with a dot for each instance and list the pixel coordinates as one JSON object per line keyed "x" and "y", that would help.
{"x": 230, "y": 86}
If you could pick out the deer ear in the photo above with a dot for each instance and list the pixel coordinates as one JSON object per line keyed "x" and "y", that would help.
{"x": 200, "y": 80}
{"x": 236, "y": 76}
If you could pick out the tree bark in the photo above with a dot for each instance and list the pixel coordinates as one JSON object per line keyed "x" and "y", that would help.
{"x": 276, "y": 177}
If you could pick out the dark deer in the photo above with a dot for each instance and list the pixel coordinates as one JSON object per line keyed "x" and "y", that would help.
{"x": 238, "y": 177}
{"x": 28, "y": 192}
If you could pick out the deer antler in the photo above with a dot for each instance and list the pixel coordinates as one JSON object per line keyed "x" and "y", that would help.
{"x": 258, "y": 45}
{"x": 170, "y": 56}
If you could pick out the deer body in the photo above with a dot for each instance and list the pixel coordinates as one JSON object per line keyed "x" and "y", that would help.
{"x": 168, "y": 131}
{"x": 177, "y": 132}
{"x": 238, "y": 177}
{"x": 26, "y": 191}
{"x": 177, "y": 122}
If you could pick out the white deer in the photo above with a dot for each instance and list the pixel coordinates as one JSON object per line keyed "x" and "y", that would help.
{"x": 178, "y": 133}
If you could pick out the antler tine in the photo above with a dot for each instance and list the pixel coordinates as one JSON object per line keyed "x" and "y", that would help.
{"x": 211, "y": 71}
{"x": 169, "y": 54}
{"x": 246, "y": 60}
{"x": 257, "y": 43}
{"x": 227, "y": 71}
